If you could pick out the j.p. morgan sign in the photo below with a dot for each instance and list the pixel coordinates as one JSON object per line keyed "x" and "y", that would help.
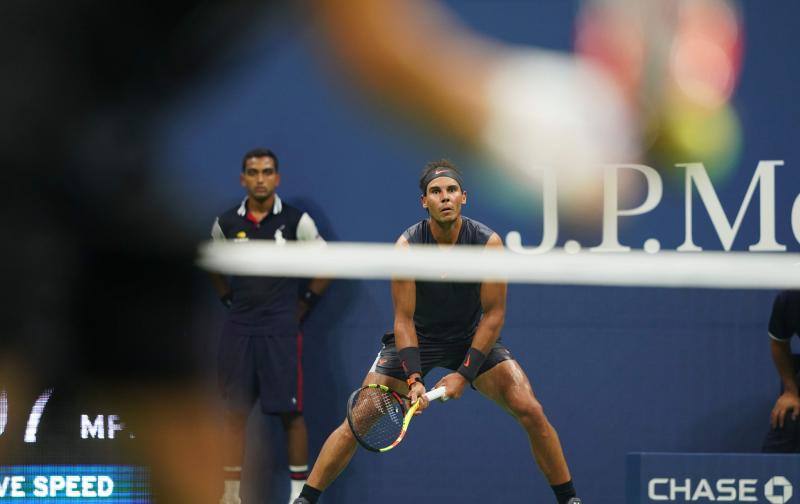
{"x": 697, "y": 181}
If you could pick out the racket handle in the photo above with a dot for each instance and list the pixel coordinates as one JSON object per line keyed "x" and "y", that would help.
{"x": 437, "y": 393}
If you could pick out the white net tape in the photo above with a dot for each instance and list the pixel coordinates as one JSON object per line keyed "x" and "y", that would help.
{"x": 749, "y": 270}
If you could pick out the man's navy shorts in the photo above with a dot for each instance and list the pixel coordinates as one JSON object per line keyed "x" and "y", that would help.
{"x": 257, "y": 363}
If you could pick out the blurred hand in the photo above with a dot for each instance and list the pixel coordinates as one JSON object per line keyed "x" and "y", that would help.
{"x": 302, "y": 311}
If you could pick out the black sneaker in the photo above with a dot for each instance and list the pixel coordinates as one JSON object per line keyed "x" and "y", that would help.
{"x": 303, "y": 500}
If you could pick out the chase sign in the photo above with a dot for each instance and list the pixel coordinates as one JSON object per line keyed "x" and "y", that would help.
{"x": 711, "y": 477}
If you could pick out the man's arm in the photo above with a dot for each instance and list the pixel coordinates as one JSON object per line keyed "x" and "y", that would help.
{"x": 220, "y": 282}
{"x": 309, "y": 298}
{"x": 404, "y": 300}
{"x": 493, "y": 301}
{"x": 319, "y": 285}
{"x": 307, "y": 231}
{"x": 789, "y": 400}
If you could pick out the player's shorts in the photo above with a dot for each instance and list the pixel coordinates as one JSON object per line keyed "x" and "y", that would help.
{"x": 435, "y": 354}
{"x": 784, "y": 439}
{"x": 255, "y": 363}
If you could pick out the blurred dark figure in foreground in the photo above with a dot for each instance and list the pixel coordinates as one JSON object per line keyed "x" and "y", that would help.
{"x": 99, "y": 301}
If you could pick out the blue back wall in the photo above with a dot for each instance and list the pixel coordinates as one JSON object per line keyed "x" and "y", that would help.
{"x": 617, "y": 369}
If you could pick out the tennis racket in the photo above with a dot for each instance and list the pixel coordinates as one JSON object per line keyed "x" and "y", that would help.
{"x": 379, "y": 416}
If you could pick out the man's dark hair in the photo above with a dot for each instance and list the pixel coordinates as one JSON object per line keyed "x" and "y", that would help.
{"x": 259, "y": 152}
{"x": 440, "y": 164}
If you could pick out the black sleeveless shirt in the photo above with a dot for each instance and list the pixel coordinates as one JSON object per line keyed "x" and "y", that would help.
{"x": 448, "y": 312}
{"x": 785, "y": 319}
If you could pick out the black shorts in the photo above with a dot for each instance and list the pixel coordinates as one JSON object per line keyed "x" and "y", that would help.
{"x": 435, "y": 354}
{"x": 257, "y": 363}
{"x": 784, "y": 439}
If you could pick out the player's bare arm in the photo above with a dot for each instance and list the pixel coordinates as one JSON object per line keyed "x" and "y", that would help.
{"x": 493, "y": 302}
{"x": 220, "y": 282}
{"x": 789, "y": 401}
{"x": 404, "y": 299}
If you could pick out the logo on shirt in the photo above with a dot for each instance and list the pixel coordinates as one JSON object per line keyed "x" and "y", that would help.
{"x": 279, "y": 239}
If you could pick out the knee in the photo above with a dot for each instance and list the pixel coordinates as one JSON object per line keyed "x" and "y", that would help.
{"x": 345, "y": 433}
{"x": 530, "y": 414}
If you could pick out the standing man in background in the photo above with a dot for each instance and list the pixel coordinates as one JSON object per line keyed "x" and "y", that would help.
{"x": 260, "y": 353}
{"x": 784, "y": 433}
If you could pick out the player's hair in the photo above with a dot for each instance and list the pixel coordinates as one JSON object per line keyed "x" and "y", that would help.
{"x": 259, "y": 152}
{"x": 436, "y": 165}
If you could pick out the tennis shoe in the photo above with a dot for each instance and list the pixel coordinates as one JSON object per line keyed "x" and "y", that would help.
{"x": 301, "y": 500}
{"x": 574, "y": 500}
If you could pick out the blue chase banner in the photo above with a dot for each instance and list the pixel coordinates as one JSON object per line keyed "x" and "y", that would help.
{"x": 712, "y": 477}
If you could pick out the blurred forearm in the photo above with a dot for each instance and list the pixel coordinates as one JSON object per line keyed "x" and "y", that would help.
{"x": 782, "y": 357}
{"x": 220, "y": 284}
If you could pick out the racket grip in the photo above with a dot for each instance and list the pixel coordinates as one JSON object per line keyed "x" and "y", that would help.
{"x": 437, "y": 393}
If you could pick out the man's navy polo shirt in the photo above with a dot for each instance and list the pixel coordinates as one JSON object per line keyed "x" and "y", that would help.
{"x": 262, "y": 300}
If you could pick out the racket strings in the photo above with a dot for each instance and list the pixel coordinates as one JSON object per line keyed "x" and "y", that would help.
{"x": 376, "y": 417}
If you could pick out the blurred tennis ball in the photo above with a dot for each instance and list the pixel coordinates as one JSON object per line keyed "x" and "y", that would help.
{"x": 691, "y": 133}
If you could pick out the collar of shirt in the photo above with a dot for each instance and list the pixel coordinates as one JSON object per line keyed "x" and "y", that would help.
{"x": 276, "y": 207}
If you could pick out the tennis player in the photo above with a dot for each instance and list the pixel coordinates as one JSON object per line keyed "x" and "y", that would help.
{"x": 455, "y": 326}
{"x": 784, "y": 432}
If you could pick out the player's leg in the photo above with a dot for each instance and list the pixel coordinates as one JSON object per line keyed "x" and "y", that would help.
{"x": 341, "y": 444}
{"x": 233, "y": 435}
{"x": 507, "y": 385}
{"x": 237, "y": 382}
{"x": 280, "y": 373}
{"x": 294, "y": 425}
{"x": 784, "y": 439}
{"x": 340, "y": 447}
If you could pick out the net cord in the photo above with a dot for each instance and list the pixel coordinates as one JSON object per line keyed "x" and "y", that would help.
{"x": 375, "y": 261}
